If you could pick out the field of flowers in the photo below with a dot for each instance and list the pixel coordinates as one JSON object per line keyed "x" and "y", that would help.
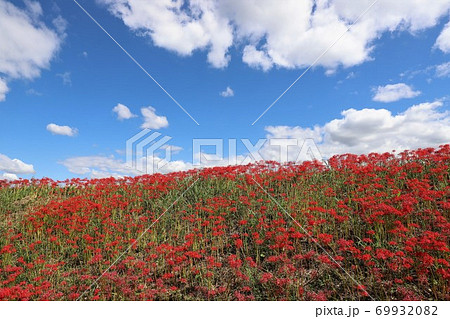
{"x": 360, "y": 228}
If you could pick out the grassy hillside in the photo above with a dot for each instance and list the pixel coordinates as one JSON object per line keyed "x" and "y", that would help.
{"x": 363, "y": 227}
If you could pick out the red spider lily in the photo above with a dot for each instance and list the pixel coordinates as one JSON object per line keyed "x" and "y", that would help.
{"x": 384, "y": 218}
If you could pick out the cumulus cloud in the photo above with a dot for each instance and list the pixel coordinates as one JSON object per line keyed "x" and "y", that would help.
{"x": 291, "y": 35}
{"x": 256, "y": 58}
{"x": 27, "y": 44}
{"x": 394, "y": 92}
{"x": 151, "y": 120}
{"x": 85, "y": 164}
{"x": 9, "y": 176}
{"x": 61, "y": 130}
{"x": 14, "y": 166}
{"x": 443, "y": 41}
{"x": 174, "y": 28}
{"x": 375, "y": 130}
{"x": 227, "y": 93}
{"x": 123, "y": 112}
{"x": 3, "y": 89}
{"x": 110, "y": 166}
{"x": 104, "y": 166}
{"x": 356, "y": 131}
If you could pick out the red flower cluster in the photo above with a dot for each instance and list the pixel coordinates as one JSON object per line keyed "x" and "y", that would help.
{"x": 384, "y": 218}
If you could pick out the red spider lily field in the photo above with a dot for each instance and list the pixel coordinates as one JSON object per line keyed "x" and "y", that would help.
{"x": 359, "y": 228}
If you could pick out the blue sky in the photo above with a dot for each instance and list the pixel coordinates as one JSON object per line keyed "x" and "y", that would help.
{"x": 392, "y": 75}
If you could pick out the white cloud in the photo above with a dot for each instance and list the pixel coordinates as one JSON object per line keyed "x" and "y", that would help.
{"x": 27, "y": 44}
{"x": 256, "y": 58}
{"x": 61, "y": 130}
{"x": 123, "y": 112}
{"x": 227, "y": 93}
{"x": 291, "y": 35}
{"x": 3, "y": 89}
{"x": 394, "y": 92}
{"x": 437, "y": 70}
{"x": 107, "y": 166}
{"x": 85, "y": 164}
{"x": 173, "y": 28}
{"x": 151, "y": 120}
{"x": 14, "y": 166}
{"x": 357, "y": 132}
{"x": 105, "y": 174}
{"x": 443, "y": 70}
{"x": 330, "y": 72}
{"x": 9, "y": 176}
{"x": 104, "y": 166}
{"x": 374, "y": 130}
{"x": 443, "y": 41}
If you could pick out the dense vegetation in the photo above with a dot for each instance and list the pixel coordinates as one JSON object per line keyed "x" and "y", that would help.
{"x": 360, "y": 227}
